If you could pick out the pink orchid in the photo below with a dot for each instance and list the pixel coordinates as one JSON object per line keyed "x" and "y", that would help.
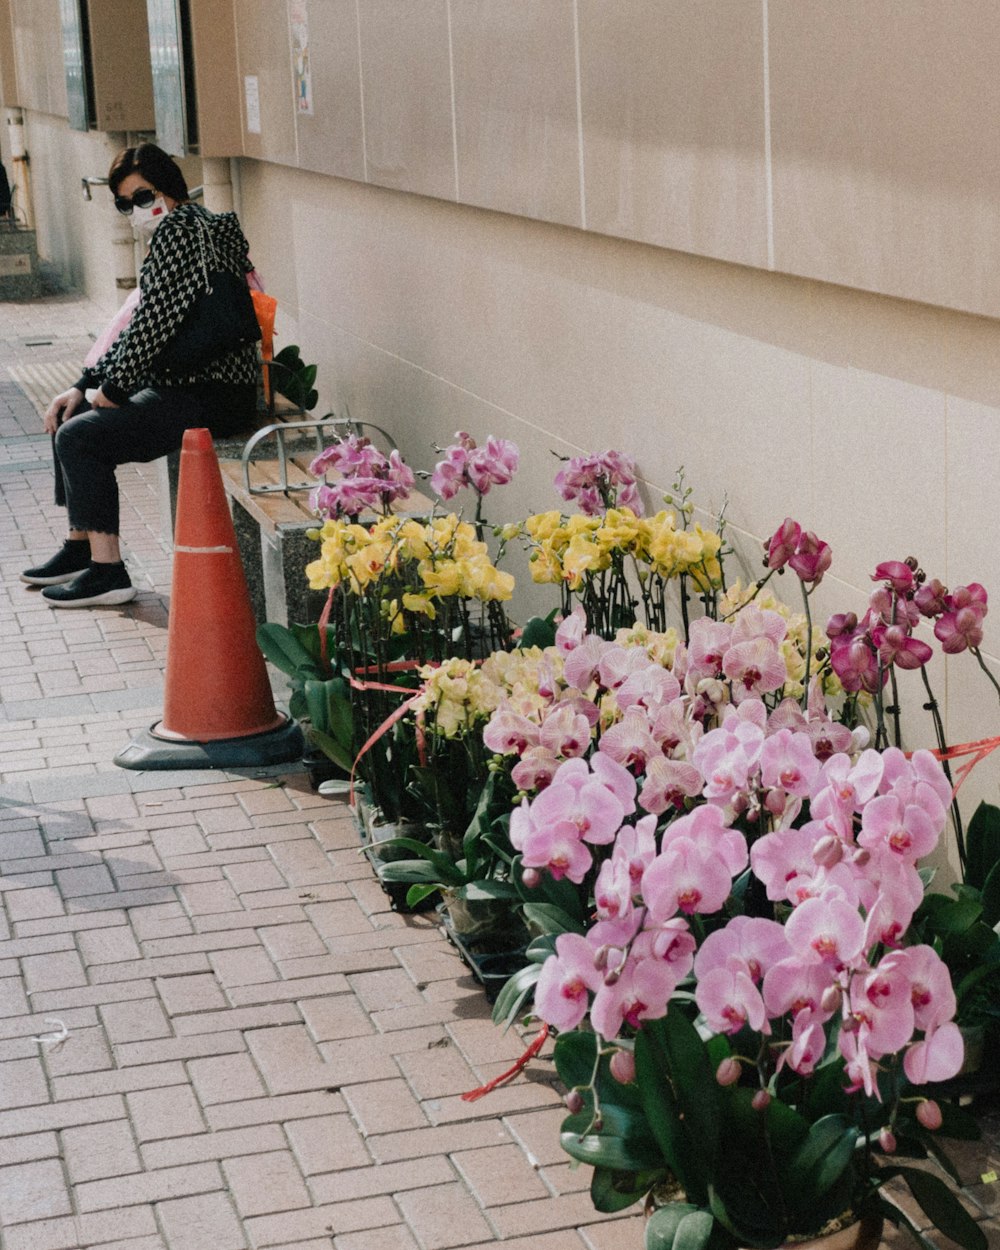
{"x": 811, "y": 558}
{"x": 854, "y": 661}
{"x": 629, "y": 741}
{"x": 706, "y": 828}
{"x": 709, "y": 642}
{"x": 827, "y": 929}
{"x": 580, "y": 798}
{"x": 508, "y": 733}
{"x": 749, "y": 944}
{"x": 783, "y": 543}
{"x": 565, "y": 731}
{"x": 905, "y": 829}
{"x": 562, "y": 994}
{"x": 938, "y": 1057}
{"x": 782, "y": 860}
{"x": 794, "y": 985}
{"x": 931, "y": 992}
{"x": 753, "y": 623}
{"x": 556, "y": 846}
{"x": 651, "y": 686}
{"x": 787, "y": 762}
{"x": 754, "y": 668}
{"x": 896, "y": 646}
{"x": 535, "y": 769}
{"x": 580, "y": 665}
{"x": 640, "y": 991}
{"x": 688, "y": 877}
{"x": 930, "y": 598}
{"x": 729, "y": 1000}
{"x": 897, "y": 574}
{"x": 668, "y": 783}
{"x": 571, "y": 631}
{"x": 959, "y": 631}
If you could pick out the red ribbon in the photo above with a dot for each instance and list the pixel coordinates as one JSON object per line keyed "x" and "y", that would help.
{"x": 521, "y": 1064}
{"x": 978, "y": 750}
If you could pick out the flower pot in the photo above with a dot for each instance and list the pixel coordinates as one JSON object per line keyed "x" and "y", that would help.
{"x": 492, "y": 969}
{"x": 489, "y": 925}
{"x": 847, "y": 1232}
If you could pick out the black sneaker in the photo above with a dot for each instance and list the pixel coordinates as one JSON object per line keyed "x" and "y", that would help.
{"x": 97, "y": 584}
{"x": 71, "y": 558}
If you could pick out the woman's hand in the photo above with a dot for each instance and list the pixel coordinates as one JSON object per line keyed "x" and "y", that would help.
{"x": 101, "y": 400}
{"x": 62, "y": 408}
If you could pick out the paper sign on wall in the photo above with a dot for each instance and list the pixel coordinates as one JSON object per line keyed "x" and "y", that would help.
{"x": 298, "y": 19}
{"x": 251, "y": 93}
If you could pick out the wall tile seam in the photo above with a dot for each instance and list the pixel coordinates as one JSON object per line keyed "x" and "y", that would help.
{"x": 579, "y": 115}
{"x": 451, "y": 87}
{"x": 361, "y": 91}
{"x": 768, "y": 171}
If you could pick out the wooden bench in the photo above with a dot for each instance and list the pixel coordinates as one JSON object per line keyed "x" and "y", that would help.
{"x": 269, "y": 499}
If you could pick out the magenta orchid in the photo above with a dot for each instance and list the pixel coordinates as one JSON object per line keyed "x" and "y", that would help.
{"x": 368, "y": 480}
{"x": 466, "y": 464}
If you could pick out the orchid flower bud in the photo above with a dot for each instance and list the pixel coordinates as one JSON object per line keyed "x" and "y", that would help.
{"x": 574, "y": 1101}
{"x": 623, "y": 1067}
{"x": 929, "y": 1114}
{"x": 861, "y": 857}
{"x": 728, "y": 1071}
{"x": 887, "y": 1141}
{"x": 531, "y": 878}
{"x": 831, "y": 998}
{"x": 761, "y": 1100}
{"x": 828, "y": 851}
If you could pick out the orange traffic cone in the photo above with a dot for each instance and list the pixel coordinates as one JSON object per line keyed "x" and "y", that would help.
{"x": 218, "y": 710}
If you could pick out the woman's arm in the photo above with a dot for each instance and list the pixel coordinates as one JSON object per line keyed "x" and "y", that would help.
{"x": 172, "y": 278}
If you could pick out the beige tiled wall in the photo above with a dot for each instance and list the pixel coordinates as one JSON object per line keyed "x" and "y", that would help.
{"x": 847, "y": 142}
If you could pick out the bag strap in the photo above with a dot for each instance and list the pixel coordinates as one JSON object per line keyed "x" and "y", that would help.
{"x": 205, "y": 234}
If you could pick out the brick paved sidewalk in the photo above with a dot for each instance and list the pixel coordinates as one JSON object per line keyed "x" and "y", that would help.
{"x": 214, "y": 1034}
{"x": 257, "y": 1051}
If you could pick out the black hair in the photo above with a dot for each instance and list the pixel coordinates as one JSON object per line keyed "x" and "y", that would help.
{"x": 159, "y": 169}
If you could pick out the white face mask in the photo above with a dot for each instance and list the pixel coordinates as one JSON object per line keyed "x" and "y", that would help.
{"x": 145, "y": 220}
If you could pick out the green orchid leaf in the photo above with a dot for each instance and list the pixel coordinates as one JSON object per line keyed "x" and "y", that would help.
{"x": 694, "y": 1231}
{"x": 513, "y": 995}
{"x": 448, "y": 871}
{"x": 540, "y": 948}
{"x": 991, "y": 897}
{"x": 575, "y": 1057}
{"x": 282, "y": 649}
{"x": 483, "y": 890}
{"x": 740, "y": 1212}
{"x": 623, "y": 1142}
{"x": 616, "y": 1191}
{"x": 680, "y": 1097}
{"x": 943, "y": 1208}
{"x": 662, "y": 1225}
{"x": 982, "y": 845}
{"x": 821, "y": 1160}
{"x": 539, "y": 631}
{"x": 551, "y": 919}
{"x": 416, "y": 894}
{"x": 332, "y": 749}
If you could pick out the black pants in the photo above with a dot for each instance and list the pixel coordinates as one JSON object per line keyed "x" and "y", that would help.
{"x": 88, "y": 447}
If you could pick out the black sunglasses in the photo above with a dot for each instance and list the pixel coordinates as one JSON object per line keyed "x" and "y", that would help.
{"x": 142, "y": 199}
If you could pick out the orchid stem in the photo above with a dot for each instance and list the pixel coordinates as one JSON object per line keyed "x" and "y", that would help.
{"x": 956, "y": 815}
{"x": 809, "y": 637}
{"x": 983, "y": 665}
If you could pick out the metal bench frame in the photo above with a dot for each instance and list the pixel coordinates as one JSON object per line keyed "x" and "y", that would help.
{"x": 336, "y": 427}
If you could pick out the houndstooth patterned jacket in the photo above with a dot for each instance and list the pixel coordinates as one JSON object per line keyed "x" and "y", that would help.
{"x": 188, "y": 243}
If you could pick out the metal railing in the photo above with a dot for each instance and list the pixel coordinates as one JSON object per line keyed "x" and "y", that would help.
{"x": 322, "y": 432}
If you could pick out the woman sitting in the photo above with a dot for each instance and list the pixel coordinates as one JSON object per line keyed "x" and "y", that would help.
{"x": 141, "y": 408}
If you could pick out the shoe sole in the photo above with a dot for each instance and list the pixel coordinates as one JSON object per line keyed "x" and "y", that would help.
{"x": 31, "y": 580}
{"x": 109, "y": 598}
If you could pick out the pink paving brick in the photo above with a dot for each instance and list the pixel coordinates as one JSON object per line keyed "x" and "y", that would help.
{"x": 398, "y": 1237}
{"x": 210, "y": 897}
{"x": 499, "y": 1174}
{"x": 383, "y": 1106}
{"x": 194, "y": 993}
{"x": 335, "y": 1016}
{"x": 386, "y": 1178}
{"x": 327, "y": 1144}
{"x": 172, "y": 1111}
{"x": 206, "y": 1222}
{"x": 22, "y": 1083}
{"x": 58, "y": 970}
{"x": 84, "y": 1050}
{"x": 107, "y": 946}
{"x": 131, "y": 1021}
{"x": 229, "y": 1079}
{"x": 263, "y": 1184}
{"x": 258, "y": 875}
{"x": 32, "y": 1191}
{"x": 244, "y": 966}
{"x": 443, "y": 1216}
{"x": 93, "y": 1151}
{"x": 290, "y": 941}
